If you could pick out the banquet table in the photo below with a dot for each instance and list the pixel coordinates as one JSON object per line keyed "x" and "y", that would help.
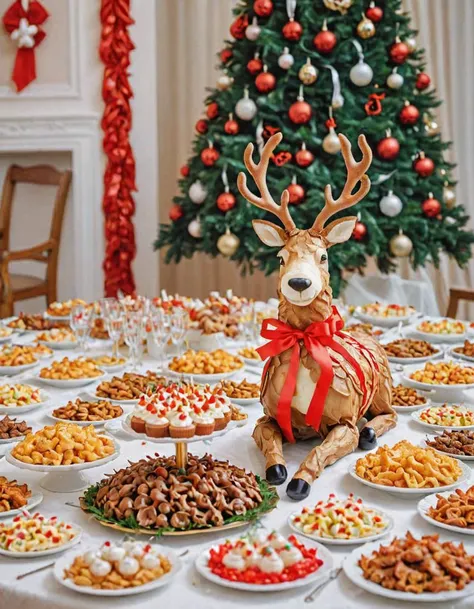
{"x": 188, "y": 588}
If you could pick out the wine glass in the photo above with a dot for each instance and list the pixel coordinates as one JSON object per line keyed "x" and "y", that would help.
{"x": 114, "y": 317}
{"x": 133, "y": 334}
{"x": 160, "y": 326}
{"x": 82, "y": 319}
{"x": 178, "y": 327}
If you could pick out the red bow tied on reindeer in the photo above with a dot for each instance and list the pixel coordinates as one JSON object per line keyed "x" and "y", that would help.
{"x": 22, "y": 21}
{"x": 318, "y": 380}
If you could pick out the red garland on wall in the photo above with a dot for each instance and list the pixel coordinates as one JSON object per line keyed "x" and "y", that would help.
{"x": 119, "y": 177}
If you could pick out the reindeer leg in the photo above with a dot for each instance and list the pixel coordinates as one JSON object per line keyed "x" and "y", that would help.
{"x": 340, "y": 441}
{"x": 384, "y": 417}
{"x": 269, "y": 439}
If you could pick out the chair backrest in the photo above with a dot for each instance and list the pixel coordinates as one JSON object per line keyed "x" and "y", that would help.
{"x": 42, "y": 175}
{"x": 455, "y": 295}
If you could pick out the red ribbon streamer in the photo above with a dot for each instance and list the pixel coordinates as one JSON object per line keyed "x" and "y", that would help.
{"x": 119, "y": 176}
{"x": 317, "y": 338}
{"x": 24, "y": 70}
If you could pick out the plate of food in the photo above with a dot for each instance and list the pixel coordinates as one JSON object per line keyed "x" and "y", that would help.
{"x": 57, "y": 338}
{"x": 341, "y": 522}
{"x": 464, "y": 351}
{"x": 70, "y": 373}
{"x": 109, "y": 363}
{"x": 12, "y": 430}
{"x": 408, "y": 470}
{"x": 18, "y": 398}
{"x": 452, "y": 510}
{"x": 87, "y": 412}
{"x": 61, "y": 311}
{"x": 128, "y": 388}
{"x": 407, "y": 351}
{"x": 408, "y": 399}
{"x": 264, "y": 561}
{"x": 367, "y": 568}
{"x": 16, "y": 498}
{"x": 15, "y": 359}
{"x": 25, "y": 323}
{"x": 32, "y": 536}
{"x": 117, "y": 569}
{"x": 6, "y": 334}
{"x": 441, "y": 330}
{"x": 250, "y": 356}
{"x": 444, "y": 377}
{"x": 242, "y": 393}
{"x": 368, "y": 329}
{"x": 458, "y": 444}
{"x": 205, "y": 366}
{"x": 385, "y": 315}
{"x": 446, "y": 416}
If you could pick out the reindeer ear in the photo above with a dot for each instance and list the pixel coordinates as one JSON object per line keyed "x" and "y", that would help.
{"x": 339, "y": 230}
{"x": 269, "y": 233}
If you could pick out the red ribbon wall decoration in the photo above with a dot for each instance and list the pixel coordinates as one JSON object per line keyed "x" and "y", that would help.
{"x": 22, "y": 21}
{"x": 119, "y": 177}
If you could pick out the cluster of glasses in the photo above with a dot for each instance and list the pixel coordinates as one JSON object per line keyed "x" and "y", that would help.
{"x": 249, "y": 327}
{"x": 168, "y": 326}
{"x": 81, "y": 322}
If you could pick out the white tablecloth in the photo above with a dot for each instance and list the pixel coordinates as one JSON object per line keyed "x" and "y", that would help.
{"x": 188, "y": 589}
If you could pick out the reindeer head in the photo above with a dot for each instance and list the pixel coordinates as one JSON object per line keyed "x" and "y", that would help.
{"x": 303, "y": 254}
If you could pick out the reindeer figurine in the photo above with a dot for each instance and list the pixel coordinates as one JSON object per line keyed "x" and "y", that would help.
{"x": 318, "y": 381}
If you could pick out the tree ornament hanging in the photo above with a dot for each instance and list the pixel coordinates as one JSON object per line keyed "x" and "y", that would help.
{"x": 265, "y": 81}
{"x": 400, "y": 245}
{"x": 209, "y": 155}
{"x": 263, "y": 8}
{"x": 184, "y": 171}
{"x": 300, "y": 111}
{"x": 337, "y": 100}
{"x": 388, "y": 148}
{"x": 399, "y": 51}
{"x": 292, "y": 31}
{"x": 423, "y": 81}
{"x": 365, "y": 28}
{"x": 246, "y": 108}
{"x": 197, "y": 192}
{"x": 423, "y": 165}
{"x": 228, "y": 243}
{"x": 255, "y": 65}
{"x": 224, "y": 82}
{"x": 373, "y": 107}
{"x": 338, "y": 5}
{"x": 395, "y": 80}
{"x": 195, "y": 229}
{"x": 231, "y": 126}
{"x": 212, "y": 110}
{"x": 286, "y": 59}
{"x": 304, "y": 157}
{"x": 409, "y": 114}
{"x": 431, "y": 126}
{"x": 431, "y": 207}
{"x": 374, "y": 13}
{"x": 296, "y": 191}
{"x": 308, "y": 73}
{"x": 201, "y": 126}
{"x": 226, "y": 55}
{"x": 176, "y": 212}
{"x": 226, "y": 200}
{"x": 361, "y": 74}
{"x": 390, "y": 205}
{"x": 253, "y": 31}
{"x": 360, "y": 231}
{"x": 238, "y": 27}
{"x": 282, "y": 158}
{"x": 325, "y": 40}
{"x": 411, "y": 43}
{"x": 331, "y": 143}
{"x": 449, "y": 196}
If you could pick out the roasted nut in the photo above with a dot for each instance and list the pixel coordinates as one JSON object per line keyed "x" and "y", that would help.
{"x": 241, "y": 390}
{"x": 130, "y": 386}
{"x": 88, "y": 411}
{"x": 466, "y": 349}
{"x": 407, "y": 396}
{"x": 250, "y": 353}
{"x": 408, "y": 347}
{"x": 11, "y": 428}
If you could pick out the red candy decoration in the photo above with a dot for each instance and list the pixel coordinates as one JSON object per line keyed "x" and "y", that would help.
{"x": 360, "y": 231}
{"x": 431, "y": 207}
{"x": 423, "y": 81}
{"x": 226, "y": 201}
{"x": 255, "y": 66}
{"x": 292, "y": 31}
{"x": 209, "y": 156}
{"x": 398, "y": 52}
{"x": 374, "y": 13}
{"x": 184, "y": 171}
{"x": 201, "y": 126}
{"x": 176, "y": 212}
{"x": 231, "y": 127}
{"x": 212, "y": 110}
{"x": 423, "y": 165}
{"x": 265, "y": 82}
{"x": 409, "y": 114}
{"x": 388, "y": 148}
{"x": 263, "y": 8}
{"x": 238, "y": 27}
{"x": 297, "y": 193}
{"x": 225, "y": 55}
{"x": 300, "y": 112}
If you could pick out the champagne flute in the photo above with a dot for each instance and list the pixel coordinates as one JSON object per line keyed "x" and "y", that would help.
{"x": 160, "y": 326}
{"x": 178, "y": 327}
{"x": 133, "y": 332}
{"x": 113, "y": 315}
{"x": 82, "y": 318}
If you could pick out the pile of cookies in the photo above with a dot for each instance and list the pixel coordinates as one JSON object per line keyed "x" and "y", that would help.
{"x": 80, "y": 410}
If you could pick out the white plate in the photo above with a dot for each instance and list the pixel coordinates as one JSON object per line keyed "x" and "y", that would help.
{"x": 254, "y": 363}
{"x": 394, "y": 490}
{"x": 452, "y": 353}
{"x": 96, "y": 397}
{"x": 384, "y": 322}
{"x": 427, "y": 387}
{"x": 64, "y": 562}
{"x": 110, "y": 369}
{"x": 69, "y": 383}
{"x": 442, "y": 452}
{"x": 59, "y": 345}
{"x": 244, "y": 401}
{"x": 417, "y": 414}
{"x": 323, "y": 553}
{"x": 62, "y": 548}
{"x": 10, "y": 440}
{"x": 432, "y": 337}
{"x": 354, "y": 573}
{"x": 82, "y": 423}
{"x": 343, "y": 542}
{"x": 7, "y": 320}
{"x": 14, "y": 410}
{"x": 409, "y": 409}
{"x": 431, "y": 501}
{"x": 407, "y": 361}
{"x": 202, "y": 378}
{"x": 33, "y": 501}
{"x": 5, "y": 339}
{"x": 58, "y": 317}
{"x": 12, "y": 370}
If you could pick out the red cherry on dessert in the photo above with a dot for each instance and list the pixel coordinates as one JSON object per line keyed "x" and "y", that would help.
{"x": 212, "y": 110}
{"x": 423, "y": 81}
{"x": 388, "y": 148}
{"x": 201, "y": 126}
{"x": 292, "y": 31}
{"x": 254, "y": 66}
{"x": 297, "y": 193}
{"x": 176, "y": 212}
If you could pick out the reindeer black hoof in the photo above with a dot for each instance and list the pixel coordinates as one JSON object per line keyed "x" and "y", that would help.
{"x": 276, "y": 474}
{"x": 367, "y": 439}
{"x": 298, "y": 489}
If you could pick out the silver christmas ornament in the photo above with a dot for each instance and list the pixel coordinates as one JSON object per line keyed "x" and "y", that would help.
{"x": 331, "y": 143}
{"x": 246, "y": 108}
{"x": 395, "y": 80}
{"x": 361, "y": 74}
{"x": 286, "y": 59}
{"x": 390, "y": 205}
{"x": 194, "y": 228}
{"x": 252, "y": 31}
{"x": 197, "y": 192}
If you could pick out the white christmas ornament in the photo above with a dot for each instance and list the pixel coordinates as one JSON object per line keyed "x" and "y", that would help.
{"x": 197, "y": 192}
{"x": 361, "y": 74}
{"x": 395, "y": 80}
{"x": 331, "y": 143}
{"x": 224, "y": 82}
{"x": 286, "y": 59}
{"x": 194, "y": 228}
{"x": 246, "y": 108}
{"x": 252, "y": 31}
{"x": 24, "y": 35}
{"x": 390, "y": 205}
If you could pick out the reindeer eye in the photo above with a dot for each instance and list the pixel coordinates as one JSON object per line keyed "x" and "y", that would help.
{"x": 324, "y": 257}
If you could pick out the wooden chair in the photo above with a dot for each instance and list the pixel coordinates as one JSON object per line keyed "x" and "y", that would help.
{"x": 17, "y": 287}
{"x": 455, "y": 295}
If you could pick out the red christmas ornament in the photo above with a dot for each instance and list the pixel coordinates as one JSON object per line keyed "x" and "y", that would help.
{"x": 388, "y": 148}
{"x": 297, "y": 193}
{"x": 226, "y": 201}
{"x": 423, "y": 165}
{"x": 263, "y": 8}
{"x": 209, "y": 156}
{"x": 176, "y": 212}
{"x": 374, "y": 13}
{"x": 409, "y": 114}
{"x": 398, "y": 52}
{"x": 201, "y": 126}
{"x": 292, "y": 30}
{"x": 225, "y": 55}
{"x": 265, "y": 82}
{"x": 184, "y": 171}
{"x": 304, "y": 157}
{"x": 212, "y": 110}
{"x": 325, "y": 41}
{"x": 231, "y": 127}
{"x": 300, "y": 112}
{"x": 255, "y": 66}
{"x": 360, "y": 231}
{"x": 238, "y": 27}
{"x": 282, "y": 158}
{"x": 431, "y": 207}
{"x": 423, "y": 81}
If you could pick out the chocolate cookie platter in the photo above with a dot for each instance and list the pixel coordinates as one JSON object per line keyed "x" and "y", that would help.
{"x": 155, "y": 496}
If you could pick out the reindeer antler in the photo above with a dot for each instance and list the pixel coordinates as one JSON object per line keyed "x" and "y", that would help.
{"x": 259, "y": 174}
{"x": 355, "y": 173}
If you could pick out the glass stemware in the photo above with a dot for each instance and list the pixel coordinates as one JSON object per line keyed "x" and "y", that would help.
{"x": 160, "y": 326}
{"x": 114, "y": 317}
{"x": 82, "y": 319}
{"x": 133, "y": 334}
{"x": 178, "y": 327}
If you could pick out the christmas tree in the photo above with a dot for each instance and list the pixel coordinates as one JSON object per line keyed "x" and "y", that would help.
{"x": 310, "y": 69}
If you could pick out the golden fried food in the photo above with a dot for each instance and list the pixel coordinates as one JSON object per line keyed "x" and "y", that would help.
{"x": 467, "y": 349}
{"x": 419, "y": 565}
{"x": 11, "y": 428}
{"x": 41, "y": 351}
{"x": 88, "y": 411}
{"x": 406, "y": 396}
{"x": 454, "y": 442}
{"x": 68, "y": 369}
{"x": 250, "y": 353}
{"x": 57, "y": 335}
{"x": 409, "y": 347}
{"x": 205, "y": 362}
{"x": 107, "y": 360}
{"x": 456, "y": 510}
{"x": 408, "y": 466}
{"x": 130, "y": 386}
{"x": 63, "y": 444}
{"x": 443, "y": 326}
{"x": 241, "y": 390}
{"x": 15, "y": 355}
{"x": 13, "y": 495}
{"x": 444, "y": 373}
{"x": 34, "y": 322}
{"x": 63, "y": 309}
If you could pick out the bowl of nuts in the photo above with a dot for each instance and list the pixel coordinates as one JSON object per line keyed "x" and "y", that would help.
{"x": 407, "y": 351}
{"x": 408, "y": 399}
{"x": 242, "y": 393}
{"x": 87, "y": 412}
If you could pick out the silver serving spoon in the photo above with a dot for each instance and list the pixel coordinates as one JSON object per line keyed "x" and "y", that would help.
{"x": 332, "y": 576}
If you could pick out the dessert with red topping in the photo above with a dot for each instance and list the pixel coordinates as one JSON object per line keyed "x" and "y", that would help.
{"x": 35, "y": 533}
